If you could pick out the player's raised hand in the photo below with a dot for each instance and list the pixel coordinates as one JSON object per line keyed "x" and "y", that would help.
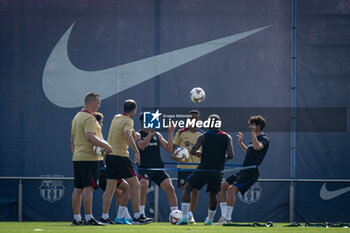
{"x": 252, "y": 128}
{"x": 240, "y": 137}
{"x": 172, "y": 127}
{"x": 151, "y": 131}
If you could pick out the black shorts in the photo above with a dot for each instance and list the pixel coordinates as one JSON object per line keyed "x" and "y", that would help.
{"x": 182, "y": 177}
{"x": 86, "y": 173}
{"x": 156, "y": 176}
{"x": 103, "y": 180}
{"x": 199, "y": 178}
{"x": 243, "y": 180}
{"x": 118, "y": 167}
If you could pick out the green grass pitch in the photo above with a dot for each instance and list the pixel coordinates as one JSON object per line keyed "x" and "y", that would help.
{"x": 64, "y": 227}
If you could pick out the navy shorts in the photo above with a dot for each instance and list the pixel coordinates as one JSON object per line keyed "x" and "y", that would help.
{"x": 118, "y": 167}
{"x": 182, "y": 177}
{"x": 156, "y": 176}
{"x": 103, "y": 179}
{"x": 86, "y": 173}
{"x": 211, "y": 178}
{"x": 243, "y": 180}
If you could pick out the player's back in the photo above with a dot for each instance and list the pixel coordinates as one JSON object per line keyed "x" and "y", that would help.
{"x": 116, "y": 139}
{"x": 214, "y": 150}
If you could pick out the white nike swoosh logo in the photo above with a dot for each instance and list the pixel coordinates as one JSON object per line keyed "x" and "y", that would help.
{"x": 65, "y": 85}
{"x": 328, "y": 195}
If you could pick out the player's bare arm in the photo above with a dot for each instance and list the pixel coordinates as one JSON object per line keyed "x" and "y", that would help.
{"x": 167, "y": 145}
{"x": 142, "y": 144}
{"x": 164, "y": 143}
{"x": 230, "y": 151}
{"x": 173, "y": 155}
{"x": 196, "y": 146}
{"x": 91, "y": 137}
{"x": 240, "y": 142}
{"x": 134, "y": 135}
{"x": 256, "y": 144}
{"x": 130, "y": 140}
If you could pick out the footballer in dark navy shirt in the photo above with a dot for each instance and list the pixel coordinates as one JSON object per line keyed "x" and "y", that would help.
{"x": 240, "y": 182}
{"x": 215, "y": 143}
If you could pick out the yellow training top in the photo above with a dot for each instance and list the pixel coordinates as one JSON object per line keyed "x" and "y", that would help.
{"x": 82, "y": 123}
{"x": 99, "y": 131}
{"x": 116, "y": 139}
{"x": 186, "y": 138}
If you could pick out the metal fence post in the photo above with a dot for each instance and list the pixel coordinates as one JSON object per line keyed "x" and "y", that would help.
{"x": 291, "y": 202}
{"x": 293, "y": 105}
{"x": 156, "y": 203}
{"x": 20, "y": 200}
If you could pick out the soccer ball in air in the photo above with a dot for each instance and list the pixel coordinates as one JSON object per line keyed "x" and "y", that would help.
{"x": 197, "y": 95}
{"x": 98, "y": 150}
{"x": 182, "y": 153}
{"x": 175, "y": 216}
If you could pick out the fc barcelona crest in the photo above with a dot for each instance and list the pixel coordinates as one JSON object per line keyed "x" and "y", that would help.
{"x": 252, "y": 195}
{"x": 51, "y": 190}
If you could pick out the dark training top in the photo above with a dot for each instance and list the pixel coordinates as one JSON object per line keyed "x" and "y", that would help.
{"x": 255, "y": 157}
{"x": 214, "y": 147}
{"x": 150, "y": 156}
